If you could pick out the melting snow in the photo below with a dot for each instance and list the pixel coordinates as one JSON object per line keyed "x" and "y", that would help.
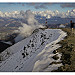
{"x": 33, "y": 53}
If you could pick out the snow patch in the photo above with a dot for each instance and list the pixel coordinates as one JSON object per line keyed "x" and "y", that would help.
{"x": 33, "y": 53}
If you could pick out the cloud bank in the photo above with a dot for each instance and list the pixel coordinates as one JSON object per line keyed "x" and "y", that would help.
{"x": 31, "y": 14}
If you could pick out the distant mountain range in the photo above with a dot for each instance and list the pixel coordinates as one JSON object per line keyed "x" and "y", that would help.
{"x": 47, "y": 14}
{"x": 53, "y": 17}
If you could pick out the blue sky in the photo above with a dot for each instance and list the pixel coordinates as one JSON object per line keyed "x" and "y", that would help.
{"x": 62, "y": 7}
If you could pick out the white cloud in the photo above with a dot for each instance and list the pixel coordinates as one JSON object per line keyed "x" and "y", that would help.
{"x": 28, "y": 27}
{"x": 28, "y": 14}
{"x": 56, "y": 13}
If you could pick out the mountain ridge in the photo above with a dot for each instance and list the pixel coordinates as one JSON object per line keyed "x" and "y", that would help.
{"x": 22, "y": 56}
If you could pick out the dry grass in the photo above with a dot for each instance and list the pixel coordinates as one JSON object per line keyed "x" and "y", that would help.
{"x": 68, "y": 52}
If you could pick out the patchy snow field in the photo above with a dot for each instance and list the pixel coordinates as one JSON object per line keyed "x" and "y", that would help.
{"x": 33, "y": 53}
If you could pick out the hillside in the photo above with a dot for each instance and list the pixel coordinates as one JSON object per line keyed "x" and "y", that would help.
{"x": 68, "y": 52}
{"x": 34, "y": 53}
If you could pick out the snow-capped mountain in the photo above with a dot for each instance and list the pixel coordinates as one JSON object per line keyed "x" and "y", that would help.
{"x": 47, "y": 14}
{"x": 33, "y": 53}
{"x": 56, "y": 13}
{"x": 28, "y": 16}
